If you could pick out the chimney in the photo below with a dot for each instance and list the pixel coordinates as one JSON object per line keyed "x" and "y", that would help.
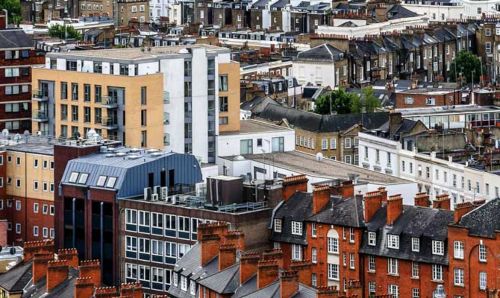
{"x": 289, "y": 284}
{"x": 57, "y": 273}
{"x": 132, "y": 290}
{"x": 214, "y": 228}
{"x": 372, "y": 202}
{"x": 422, "y": 199}
{"x": 33, "y": 247}
{"x": 84, "y": 287}
{"x": 274, "y": 255}
{"x": 236, "y": 238}
{"x": 347, "y": 189}
{"x": 227, "y": 256}
{"x": 354, "y": 288}
{"x": 304, "y": 271}
{"x": 395, "y": 119}
{"x": 383, "y": 193}
{"x": 394, "y": 208}
{"x": 209, "y": 248}
{"x": 461, "y": 209}
{"x": 91, "y": 269}
{"x": 39, "y": 267}
{"x": 321, "y": 197}
{"x": 293, "y": 184}
{"x": 327, "y": 292}
{"x": 3, "y": 232}
{"x": 442, "y": 201}
{"x": 102, "y": 292}
{"x": 248, "y": 266}
{"x": 70, "y": 255}
{"x": 267, "y": 273}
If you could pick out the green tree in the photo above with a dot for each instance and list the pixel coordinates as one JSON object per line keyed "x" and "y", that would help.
{"x": 63, "y": 31}
{"x": 366, "y": 100}
{"x": 338, "y": 101}
{"x": 14, "y": 9}
{"x": 465, "y": 65}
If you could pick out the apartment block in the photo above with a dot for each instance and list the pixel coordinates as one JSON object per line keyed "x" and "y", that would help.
{"x": 132, "y": 10}
{"x": 119, "y": 93}
{"x": 17, "y": 58}
{"x": 27, "y": 188}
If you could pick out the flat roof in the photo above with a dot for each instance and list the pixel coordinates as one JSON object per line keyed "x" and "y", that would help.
{"x": 252, "y": 126}
{"x": 447, "y": 110}
{"x": 37, "y": 148}
{"x": 307, "y": 164}
{"x": 137, "y": 53}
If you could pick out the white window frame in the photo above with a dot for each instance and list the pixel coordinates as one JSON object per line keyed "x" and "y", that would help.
{"x": 438, "y": 247}
{"x": 333, "y": 245}
{"x": 458, "y": 277}
{"x": 415, "y": 244}
{"x": 482, "y": 253}
{"x": 314, "y": 255}
{"x": 483, "y": 280}
{"x": 277, "y": 225}
{"x": 392, "y": 241}
{"x": 333, "y": 271}
{"x": 296, "y": 228}
{"x": 415, "y": 270}
{"x": 458, "y": 250}
{"x": 437, "y": 272}
{"x": 392, "y": 266}
{"x": 296, "y": 252}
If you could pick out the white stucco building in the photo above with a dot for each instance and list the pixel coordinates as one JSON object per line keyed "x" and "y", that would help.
{"x": 457, "y": 10}
{"x": 317, "y": 66}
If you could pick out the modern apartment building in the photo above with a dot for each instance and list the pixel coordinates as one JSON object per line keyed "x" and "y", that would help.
{"x": 27, "y": 190}
{"x": 141, "y": 97}
{"x": 17, "y": 56}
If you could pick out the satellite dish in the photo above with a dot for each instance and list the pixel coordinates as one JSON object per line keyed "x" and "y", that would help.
{"x": 5, "y": 132}
{"x": 17, "y": 137}
{"x": 319, "y": 156}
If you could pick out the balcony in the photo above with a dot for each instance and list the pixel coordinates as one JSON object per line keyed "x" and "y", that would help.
{"x": 40, "y": 116}
{"x": 39, "y": 95}
{"x": 109, "y": 123}
{"x": 109, "y": 102}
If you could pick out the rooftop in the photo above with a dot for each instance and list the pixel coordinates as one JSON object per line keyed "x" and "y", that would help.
{"x": 325, "y": 168}
{"x": 14, "y": 39}
{"x": 447, "y": 110}
{"x": 252, "y": 126}
{"x": 137, "y": 53}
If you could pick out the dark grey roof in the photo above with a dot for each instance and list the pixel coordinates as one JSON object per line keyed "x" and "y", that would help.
{"x": 64, "y": 290}
{"x": 425, "y": 223}
{"x": 273, "y": 291}
{"x": 280, "y": 4}
{"x": 14, "y": 38}
{"x": 398, "y": 12}
{"x": 260, "y": 4}
{"x": 483, "y": 221}
{"x": 16, "y": 278}
{"x": 246, "y": 288}
{"x": 322, "y": 123}
{"x": 347, "y": 212}
{"x": 257, "y": 104}
{"x": 348, "y": 24}
{"x": 34, "y": 146}
{"x": 297, "y": 208}
{"x": 324, "y": 52}
{"x": 223, "y": 282}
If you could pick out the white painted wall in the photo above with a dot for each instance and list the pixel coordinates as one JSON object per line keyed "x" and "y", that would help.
{"x": 200, "y": 103}
{"x": 173, "y": 82}
{"x": 467, "y": 9}
{"x": 322, "y": 74}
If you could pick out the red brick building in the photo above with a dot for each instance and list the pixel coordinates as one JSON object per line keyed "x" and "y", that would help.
{"x": 16, "y": 59}
{"x": 428, "y": 97}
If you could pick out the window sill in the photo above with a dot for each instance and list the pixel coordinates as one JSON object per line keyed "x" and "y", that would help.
{"x": 459, "y": 286}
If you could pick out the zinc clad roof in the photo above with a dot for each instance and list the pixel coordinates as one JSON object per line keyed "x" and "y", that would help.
{"x": 14, "y": 38}
{"x": 16, "y": 278}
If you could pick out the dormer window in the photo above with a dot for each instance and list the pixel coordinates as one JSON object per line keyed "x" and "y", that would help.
{"x": 297, "y": 228}
{"x": 415, "y": 244}
{"x": 192, "y": 286}
{"x": 73, "y": 177}
{"x": 184, "y": 283}
{"x": 437, "y": 247}
{"x": 277, "y": 225}
{"x": 393, "y": 241}
{"x": 372, "y": 238}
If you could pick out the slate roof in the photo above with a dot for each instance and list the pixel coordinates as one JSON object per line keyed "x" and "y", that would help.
{"x": 64, "y": 290}
{"x": 344, "y": 212}
{"x": 273, "y": 291}
{"x": 257, "y": 104}
{"x": 280, "y": 4}
{"x": 297, "y": 208}
{"x": 14, "y": 38}
{"x": 425, "y": 223}
{"x": 260, "y": 4}
{"x": 223, "y": 282}
{"x": 322, "y": 123}
{"x": 324, "y": 52}
{"x": 16, "y": 278}
{"x": 399, "y": 12}
{"x": 483, "y": 221}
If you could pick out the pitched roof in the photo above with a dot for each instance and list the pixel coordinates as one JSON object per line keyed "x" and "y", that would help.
{"x": 16, "y": 278}
{"x": 344, "y": 212}
{"x": 223, "y": 282}
{"x": 66, "y": 289}
{"x": 483, "y": 221}
{"x": 14, "y": 38}
{"x": 324, "y": 52}
{"x": 398, "y": 12}
{"x": 257, "y": 104}
{"x": 273, "y": 291}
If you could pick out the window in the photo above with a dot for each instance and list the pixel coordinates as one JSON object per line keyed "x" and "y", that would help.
{"x": 415, "y": 244}
{"x": 183, "y": 224}
{"x": 131, "y": 244}
{"x": 483, "y": 281}
{"x": 144, "y": 218}
{"x": 35, "y": 207}
{"x": 144, "y": 245}
{"x": 458, "y": 278}
{"x": 348, "y": 143}
{"x": 333, "y": 245}
{"x": 35, "y": 231}
{"x": 482, "y": 253}
{"x": 223, "y": 104}
{"x": 18, "y": 205}
{"x": 101, "y": 180}
{"x": 223, "y": 120}
{"x": 246, "y": 146}
{"x": 18, "y": 228}
{"x": 372, "y": 238}
{"x": 296, "y": 252}
{"x": 437, "y": 247}
{"x": 98, "y": 93}
{"x": 313, "y": 230}
{"x": 277, "y": 225}
{"x": 392, "y": 266}
{"x": 352, "y": 261}
{"x": 393, "y": 241}
{"x": 371, "y": 264}
{"x": 45, "y": 209}
{"x": 35, "y": 185}
{"x": 393, "y": 290}
{"x": 414, "y": 270}
{"x": 324, "y": 144}
{"x": 223, "y": 83}
{"x": 333, "y": 143}
{"x": 371, "y": 288}
{"x": 52, "y": 209}
{"x": 314, "y": 279}
{"x": 297, "y": 228}
{"x": 278, "y": 144}
{"x": 437, "y": 272}
{"x": 333, "y": 271}
{"x": 111, "y": 182}
{"x": 83, "y": 178}
{"x": 351, "y": 235}
{"x": 458, "y": 250}
{"x": 314, "y": 255}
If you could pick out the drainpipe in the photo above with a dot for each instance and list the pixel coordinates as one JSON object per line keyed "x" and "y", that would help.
{"x": 102, "y": 232}
{"x": 74, "y": 222}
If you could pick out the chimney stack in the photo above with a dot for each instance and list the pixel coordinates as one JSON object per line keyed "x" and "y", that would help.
{"x": 131, "y": 290}
{"x": 57, "y": 273}
{"x": 214, "y": 228}
{"x": 84, "y": 287}
{"x": 267, "y": 273}
{"x": 422, "y": 199}
{"x": 347, "y": 189}
{"x": 236, "y": 238}
{"x": 39, "y": 266}
{"x": 461, "y": 209}
{"x": 70, "y": 255}
{"x": 383, "y": 193}
{"x": 92, "y": 270}
{"x": 372, "y": 202}
{"x": 304, "y": 270}
{"x": 320, "y": 198}
{"x": 37, "y": 247}
{"x": 248, "y": 266}
{"x": 227, "y": 256}
{"x": 394, "y": 208}
{"x": 274, "y": 255}
{"x": 293, "y": 184}
{"x": 209, "y": 248}
{"x": 442, "y": 201}
{"x": 327, "y": 292}
{"x": 103, "y": 292}
{"x": 289, "y": 284}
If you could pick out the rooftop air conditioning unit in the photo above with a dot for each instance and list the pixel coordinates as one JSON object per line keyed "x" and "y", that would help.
{"x": 154, "y": 197}
{"x": 163, "y": 193}
{"x": 147, "y": 193}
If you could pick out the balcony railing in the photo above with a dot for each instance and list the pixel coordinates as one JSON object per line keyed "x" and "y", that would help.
{"x": 109, "y": 102}
{"x": 40, "y": 116}
{"x": 40, "y": 95}
{"x": 109, "y": 123}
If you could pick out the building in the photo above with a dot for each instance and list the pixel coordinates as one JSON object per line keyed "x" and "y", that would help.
{"x": 28, "y": 189}
{"x": 17, "y": 59}
{"x": 93, "y": 182}
{"x": 132, "y": 10}
{"x": 442, "y": 11}
{"x": 96, "y": 8}
{"x": 124, "y": 104}
{"x": 417, "y": 98}
{"x": 157, "y": 233}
